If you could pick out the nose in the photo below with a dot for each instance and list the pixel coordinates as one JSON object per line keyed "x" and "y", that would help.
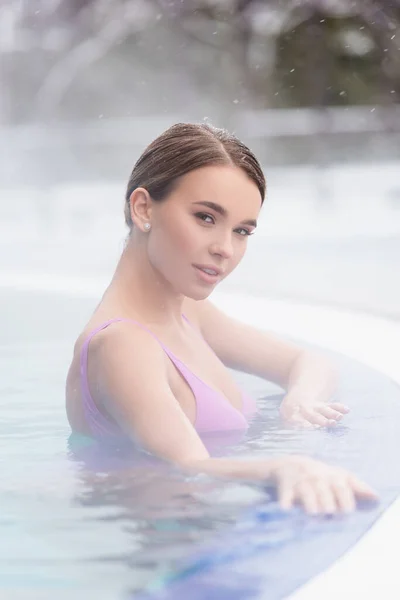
{"x": 222, "y": 247}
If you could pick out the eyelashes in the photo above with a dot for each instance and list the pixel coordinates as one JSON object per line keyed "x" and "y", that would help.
{"x": 203, "y": 216}
{"x": 210, "y": 220}
{"x": 246, "y": 232}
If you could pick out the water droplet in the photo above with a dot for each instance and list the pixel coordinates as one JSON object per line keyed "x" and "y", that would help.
{"x": 342, "y": 93}
{"x": 101, "y": 116}
{"x": 292, "y": 70}
{"x": 215, "y": 32}
{"x": 393, "y": 36}
{"x": 372, "y": 109}
{"x": 235, "y": 101}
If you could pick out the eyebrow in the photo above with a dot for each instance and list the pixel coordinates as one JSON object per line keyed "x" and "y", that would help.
{"x": 223, "y": 212}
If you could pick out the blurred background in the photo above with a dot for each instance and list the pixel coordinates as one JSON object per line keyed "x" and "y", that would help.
{"x": 312, "y": 86}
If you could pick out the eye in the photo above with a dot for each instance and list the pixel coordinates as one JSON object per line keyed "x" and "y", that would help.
{"x": 243, "y": 231}
{"x": 205, "y": 217}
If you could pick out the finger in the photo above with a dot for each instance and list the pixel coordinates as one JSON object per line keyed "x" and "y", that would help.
{"x": 326, "y": 499}
{"x": 342, "y": 408}
{"x": 307, "y": 496}
{"x": 344, "y": 497}
{"x": 285, "y": 495}
{"x": 362, "y": 490}
{"x": 315, "y": 418}
{"x": 302, "y": 422}
{"x": 299, "y": 420}
{"x": 330, "y": 413}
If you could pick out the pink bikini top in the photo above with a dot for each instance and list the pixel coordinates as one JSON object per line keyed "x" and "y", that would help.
{"x": 214, "y": 413}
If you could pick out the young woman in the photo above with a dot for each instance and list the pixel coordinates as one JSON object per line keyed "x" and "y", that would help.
{"x": 151, "y": 362}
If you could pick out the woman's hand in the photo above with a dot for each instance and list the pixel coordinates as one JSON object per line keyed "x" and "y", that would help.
{"x": 319, "y": 488}
{"x": 301, "y": 410}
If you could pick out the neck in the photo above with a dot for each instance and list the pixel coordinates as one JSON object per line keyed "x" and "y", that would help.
{"x": 137, "y": 287}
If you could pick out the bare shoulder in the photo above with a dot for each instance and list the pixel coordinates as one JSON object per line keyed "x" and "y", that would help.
{"x": 123, "y": 361}
{"x": 114, "y": 350}
{"x": 125, "y": 343}
{"x": 119, "y": 357}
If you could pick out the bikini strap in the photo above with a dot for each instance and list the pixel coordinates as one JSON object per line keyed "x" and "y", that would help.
{"x": 95, "y": 419}
{"x": 85, "y": 346}
{"x": 85, "y": 349}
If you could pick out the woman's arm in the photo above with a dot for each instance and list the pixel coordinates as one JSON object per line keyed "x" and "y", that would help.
{"x": 128, "y": 375}
{"x": 308, "y": 378}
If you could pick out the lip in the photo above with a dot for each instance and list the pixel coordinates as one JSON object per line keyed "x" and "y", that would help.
{"x": 207, "y": 277}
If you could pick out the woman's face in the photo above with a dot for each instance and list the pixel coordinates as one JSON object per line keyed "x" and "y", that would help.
{"x": 199, "y": 233}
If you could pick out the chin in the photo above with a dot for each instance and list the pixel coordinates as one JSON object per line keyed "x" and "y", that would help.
{"x": 198, "y": 294}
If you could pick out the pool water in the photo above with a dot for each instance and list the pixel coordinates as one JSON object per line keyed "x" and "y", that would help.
{"x": 82, "y": 521}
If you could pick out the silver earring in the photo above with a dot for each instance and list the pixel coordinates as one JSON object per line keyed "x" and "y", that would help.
{"x": 147, "y": 226}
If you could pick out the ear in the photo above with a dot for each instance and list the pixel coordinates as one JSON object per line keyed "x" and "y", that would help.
{"x": 140, "y": 205}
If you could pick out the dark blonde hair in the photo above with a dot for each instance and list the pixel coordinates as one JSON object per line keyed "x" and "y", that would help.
{"x": 185, "y": 147}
